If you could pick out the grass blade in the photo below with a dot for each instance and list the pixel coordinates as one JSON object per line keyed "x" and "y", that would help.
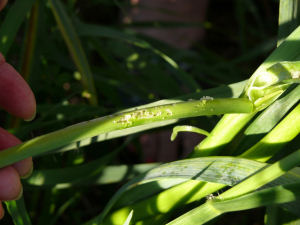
{"x": 63, "y": 208}
{"x": 187, "y": 129}
{"x": 18, "y": 212}
{"x": 145, "y": 191}
{"x": 232, "y": 90}
{"x": 12, "y": 23}
{"x": 29, "y": 43}
{"x": 75, "y": 49}
{"x": 275, "y": 135}
{"x": 129, "y": 218}
{"x": 272, "y": 115}
{"x": 101, "y": 31}
{"x": 283, "y": 133}
{"x": 289, "y": 18}
{"x": 219, "y": 171}
{"x": 267, "y": 120}
{"x": 214, "y": 208}
{"x": 92, "y": 128}
{"x": 87, "y": 174}
{"x": 230, "y": 125}
{"x": 254, "y": 182}
{"x": 264, "y": 176}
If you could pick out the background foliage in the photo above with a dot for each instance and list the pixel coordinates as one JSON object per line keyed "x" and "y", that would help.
{"x": 82, "y": 62}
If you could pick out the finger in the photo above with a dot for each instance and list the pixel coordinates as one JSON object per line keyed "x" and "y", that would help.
{"x": 24, "y": 167}
{"x": 1, "y": 211}
{"x": 16, "y": 96}
{"x": 2, "y": 4}
{"x": 10, "y": 184}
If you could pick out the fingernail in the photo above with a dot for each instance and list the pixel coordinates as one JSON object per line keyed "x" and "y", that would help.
{"x": 20, "y": 194}
{"x": 27, "y": 174}
{"x": 31, "y": 118}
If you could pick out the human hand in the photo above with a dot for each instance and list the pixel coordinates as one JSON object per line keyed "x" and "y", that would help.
{"x": 16, "y": 98}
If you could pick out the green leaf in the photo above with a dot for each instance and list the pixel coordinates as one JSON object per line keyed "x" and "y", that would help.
{"x": 223, "y": 170}
{"x": 12, "y": 23}
{"x": 267, "y": 120}
{"x": 102, "y": 31}
{"x": 283, "y": 133}
{"x": 146, "y": 190}
{"x": 187, "y": 129}
{"x": 18, "y": 212}
{"x": 113, "y": 134}
{"x": 75, "y": 49}
{"x": 272, "y": 115}
{"x": 230, "y": 125}
{"x": 232, "y": 90}
{"x": 289, "y": 18}
{"x": 30, "y": 41}
{"x": 269, "y": 85}
{"x": 60, "y": 211}
{"x": 276, "y": 215}
{"x": 129, "y": 218}
{"x": 91, "y": 173}
{"x": 219, "y": 171}
{"x": 103, "y": 125}
{"x": 204, "y": 213}
{"x": 213, "y": 208}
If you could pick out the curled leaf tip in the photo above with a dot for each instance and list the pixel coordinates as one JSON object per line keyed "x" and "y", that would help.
{"x": 186, "y": 128}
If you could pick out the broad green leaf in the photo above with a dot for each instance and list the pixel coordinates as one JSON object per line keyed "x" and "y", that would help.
{"x": 12, "y": 23}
